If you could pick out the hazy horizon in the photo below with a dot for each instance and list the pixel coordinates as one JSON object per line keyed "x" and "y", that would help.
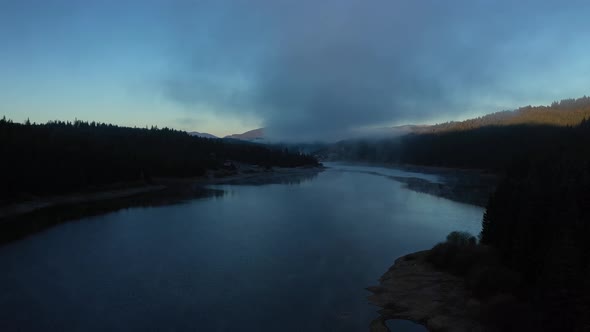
{"x": 303, "y": 70}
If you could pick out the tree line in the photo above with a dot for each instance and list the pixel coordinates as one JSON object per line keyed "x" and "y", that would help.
{"x": 492, "y": 147}
{"x": 531, "y": 270}
{"x": 566, "y": 112}
{"x": 489, "y": 142}
{"x": 539, "y": 222}
{"x": 61, "y": 157}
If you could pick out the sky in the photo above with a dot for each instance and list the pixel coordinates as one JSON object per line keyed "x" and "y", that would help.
{"x": 303, "y": 69}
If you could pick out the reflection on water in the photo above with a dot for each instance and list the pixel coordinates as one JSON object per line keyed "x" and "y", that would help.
{"x": 277, "y": 176}
{"x": 270, "y": 257}
{"x": 465, "y": 186}
{"x": 386, "y": 172}
{"x": 19, "y": 226}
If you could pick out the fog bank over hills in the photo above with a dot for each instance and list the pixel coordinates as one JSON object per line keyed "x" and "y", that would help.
{"x": 567, "y": 112}
{"x": 356, "y": 65}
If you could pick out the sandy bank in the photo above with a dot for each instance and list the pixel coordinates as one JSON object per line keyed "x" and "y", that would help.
{"x": 413, "y": 289}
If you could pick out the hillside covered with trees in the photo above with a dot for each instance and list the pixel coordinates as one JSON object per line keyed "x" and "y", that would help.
{"x": 489, "y": 142}
{"x": 567, "y": 112}
{"x": 531, "y": 269}
{"x": 61, "y": 157}
{"x": 539, "y": 221}
{"x": 484, "y": 148}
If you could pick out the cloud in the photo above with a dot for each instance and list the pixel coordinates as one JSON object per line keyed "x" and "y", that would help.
{"x": 320, "y": 70}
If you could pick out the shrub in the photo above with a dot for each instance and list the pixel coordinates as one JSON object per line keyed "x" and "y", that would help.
{"x": 459, "y": 253}
{"x": 461, "y": 239}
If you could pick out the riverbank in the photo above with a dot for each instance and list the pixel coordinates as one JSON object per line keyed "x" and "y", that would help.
{"x": 413, "y": 289}
{"x": 422, "y": 168}
{"x": 26, "y": 217}
{"x": 470, "y": 189}
{"x": 470, "y": 186}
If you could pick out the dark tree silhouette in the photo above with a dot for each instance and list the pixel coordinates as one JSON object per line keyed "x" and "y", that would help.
{"x": 539, "y": 221}
{"x": 61, "y": 157}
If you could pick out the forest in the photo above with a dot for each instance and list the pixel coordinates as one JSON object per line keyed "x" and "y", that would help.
{"x": 531, "y": 268}
{"x": 490, "y": 147}
{"x": 566, "y": 112}
{"x": 61, "y": 157}
{"x": 490, "y": 142}
{"x": 539, "y": 222}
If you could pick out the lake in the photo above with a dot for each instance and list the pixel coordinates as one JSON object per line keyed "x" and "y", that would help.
{"x": 291, "y": 256}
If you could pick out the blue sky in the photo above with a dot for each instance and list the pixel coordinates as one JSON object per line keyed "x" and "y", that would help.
{"x": 304, "y": 69}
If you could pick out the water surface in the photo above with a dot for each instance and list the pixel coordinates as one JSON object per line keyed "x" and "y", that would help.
{"x": 294, "y": 256}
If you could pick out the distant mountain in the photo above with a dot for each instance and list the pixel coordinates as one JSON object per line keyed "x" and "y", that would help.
{"x": 252, "y": 135}
{"x": 205, "y": 135}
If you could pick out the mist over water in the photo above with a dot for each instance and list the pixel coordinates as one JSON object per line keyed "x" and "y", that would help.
{"x": 290, "y": 257}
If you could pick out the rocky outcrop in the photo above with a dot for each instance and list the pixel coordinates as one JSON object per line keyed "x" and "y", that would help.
{"x": 413, "y": 289}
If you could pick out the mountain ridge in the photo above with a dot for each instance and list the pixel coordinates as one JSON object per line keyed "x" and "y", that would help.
{"x": 250, "y": 135}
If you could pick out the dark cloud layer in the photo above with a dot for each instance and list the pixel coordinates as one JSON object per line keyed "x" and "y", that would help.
{"x": 321, "y": 69}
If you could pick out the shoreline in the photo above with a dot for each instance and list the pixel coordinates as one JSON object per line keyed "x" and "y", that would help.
{"x": 454, "y": 182}
{"x": 467, "y": 186}
{"x": 158, "y": 184}
{"x": 468, "y": 190}
{"x": 25, "y": 207}
{"x": 412, "y": 289}
{"x": 443, "y": 170}
{"x": 18, "y": 220}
